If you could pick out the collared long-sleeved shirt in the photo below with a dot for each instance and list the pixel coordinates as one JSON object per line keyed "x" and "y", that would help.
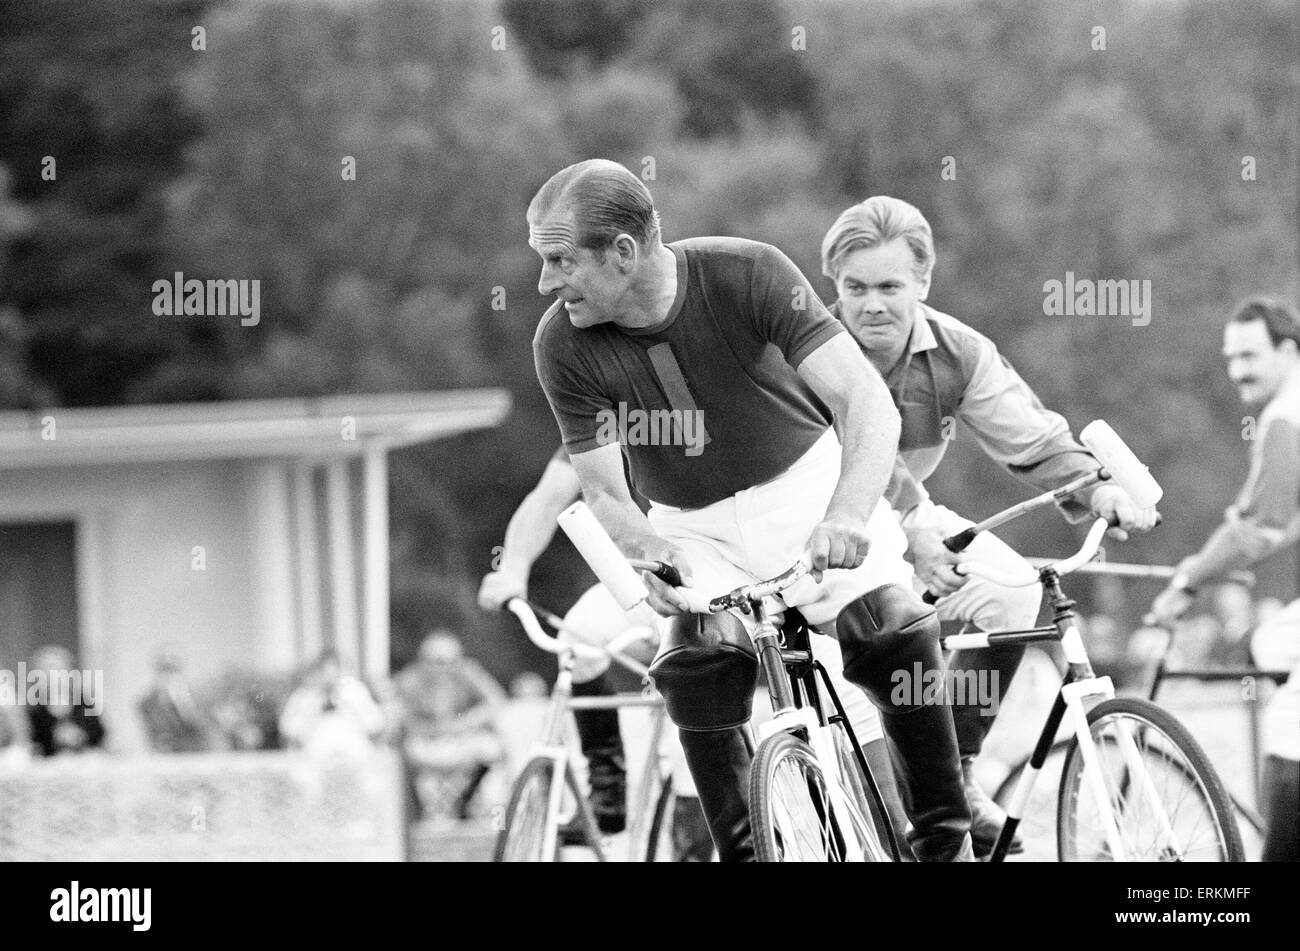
{"x": 1266, "y": 514}
{"x": 951, "y": 372}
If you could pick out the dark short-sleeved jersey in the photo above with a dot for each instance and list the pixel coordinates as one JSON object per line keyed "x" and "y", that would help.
{"x": 744, "y": 318}
{"x": 562, "y": 455}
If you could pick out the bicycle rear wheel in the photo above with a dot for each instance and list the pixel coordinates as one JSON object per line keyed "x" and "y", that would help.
{"x": 1168, "y": 801}
{"x": 527, "y": 822}
{"x": 791, "y": 814}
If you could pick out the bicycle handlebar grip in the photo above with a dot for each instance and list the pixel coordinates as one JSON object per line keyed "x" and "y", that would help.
{"x": 961, "y": 541}
{"x": 1122, "y": 465}
{"x": 667, "y": 574}
{"x": 600, "y": 552}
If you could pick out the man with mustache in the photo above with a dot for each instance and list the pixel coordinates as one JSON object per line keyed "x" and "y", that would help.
{"x": 880, "y": 254}
{"x": 1261, "y": 345}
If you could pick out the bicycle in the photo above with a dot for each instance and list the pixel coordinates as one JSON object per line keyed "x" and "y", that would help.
{"x": 812, "y": 794}
{"x": 546, "y": 796}
{"x": 1134, "y": 783}
{"x": 1162, "y": 673}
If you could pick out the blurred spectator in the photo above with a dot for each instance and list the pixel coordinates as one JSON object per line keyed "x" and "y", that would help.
{"x": 331, "y": 712}
{"x": 1105, "y": 644}
{"x": 1266, "y": 610}
{"x": 1146, "y": 645}
{"x": 1235, "y": 611}
{"x": 246, "y": 705}
{"x": 1194, "y": 639}
{"x": 63, "y": 724}
{"x": 450, "y": 704}
{"x": 522, "y": 718}
{"x": 173, "y": 721}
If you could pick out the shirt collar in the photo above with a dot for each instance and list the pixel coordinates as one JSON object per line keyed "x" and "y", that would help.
{"x": 922, "y": 337}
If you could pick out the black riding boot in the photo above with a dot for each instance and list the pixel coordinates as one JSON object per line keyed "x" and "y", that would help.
{"x": 924, "y": 752}
{"x": 602, "y": 745}
{"x": 885, "y": 632}
{"x": 882, "y": 770}
{"x": 973, "y": 722}
{"x": 719, "y": 763}
{"x": 1281, "y": 789}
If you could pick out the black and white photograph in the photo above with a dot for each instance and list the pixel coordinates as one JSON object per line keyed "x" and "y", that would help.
{"x": 610, "y": 431}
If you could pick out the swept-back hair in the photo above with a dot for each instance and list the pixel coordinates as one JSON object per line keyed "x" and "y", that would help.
{"x": 606, "y": 199}
{"x": 876, "y": 221}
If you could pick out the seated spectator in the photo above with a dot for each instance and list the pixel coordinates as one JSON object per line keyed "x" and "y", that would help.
{"x": 173, "y": 721}
{"x": 331, "y": 712}
{"x": 450, "y": 704}
{"x": 62, "y": 723}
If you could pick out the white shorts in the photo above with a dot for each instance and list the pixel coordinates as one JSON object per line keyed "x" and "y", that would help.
{"x": 1276, "y": 646}
{"x": 761, "y": 531}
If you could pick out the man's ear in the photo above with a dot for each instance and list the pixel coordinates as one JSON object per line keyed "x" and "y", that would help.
{"x": 925, "y": 285}
{"x": 627, "y": 252}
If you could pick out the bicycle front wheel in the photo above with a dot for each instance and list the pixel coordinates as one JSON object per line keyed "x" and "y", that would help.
{"x": 791, "y": 810}
{"x": 1168, "y": 802}
{"x": 527, "y": 824}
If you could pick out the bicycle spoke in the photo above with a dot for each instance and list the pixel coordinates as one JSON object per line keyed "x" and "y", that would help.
{"x": 1161, "y": 806}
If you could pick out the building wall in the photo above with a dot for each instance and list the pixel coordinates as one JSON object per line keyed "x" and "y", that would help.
{"x": 189, "y": 553}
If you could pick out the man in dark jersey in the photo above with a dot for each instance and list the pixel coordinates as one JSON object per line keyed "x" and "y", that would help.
{"x": 790, "y": 448}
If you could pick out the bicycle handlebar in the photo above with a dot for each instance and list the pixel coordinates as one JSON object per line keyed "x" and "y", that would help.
{"x": 1087, "y": 551}
{"x": 619, "y": 573}
{"x": 527, "y": 615}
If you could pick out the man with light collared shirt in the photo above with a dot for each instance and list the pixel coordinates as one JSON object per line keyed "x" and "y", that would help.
{"x": 1261, "y": 345}
{"x": 880, "y": 254}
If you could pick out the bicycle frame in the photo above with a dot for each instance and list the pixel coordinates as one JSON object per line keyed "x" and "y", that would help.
{"x": 1080, "y": 683}
{"x": 791, "y": 672}
{"x": 553, "y": 745}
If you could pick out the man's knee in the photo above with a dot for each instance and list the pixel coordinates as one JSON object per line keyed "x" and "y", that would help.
{"x": 706, "y": 672}
{"x": 1009, "y": 609}
{"x": 887, "y": 629}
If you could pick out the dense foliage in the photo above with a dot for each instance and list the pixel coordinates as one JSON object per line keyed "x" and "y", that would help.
{"x": 755, "y": 119}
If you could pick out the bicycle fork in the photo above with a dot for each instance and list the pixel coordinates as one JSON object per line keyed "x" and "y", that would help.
{"x": 786, "y": 717}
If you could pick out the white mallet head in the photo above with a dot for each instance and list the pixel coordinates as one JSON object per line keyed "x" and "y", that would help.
{"x": 600, "y": 552}
{"x": 1124, "y": 467}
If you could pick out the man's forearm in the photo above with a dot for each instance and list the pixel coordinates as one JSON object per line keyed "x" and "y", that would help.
{"x": 1233, "y": 545}
{"x": 866, "y": 421}
{"x": 625, "y": 523}
{"x": 530, "y": 531}
{"x": 868, "y": 431}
